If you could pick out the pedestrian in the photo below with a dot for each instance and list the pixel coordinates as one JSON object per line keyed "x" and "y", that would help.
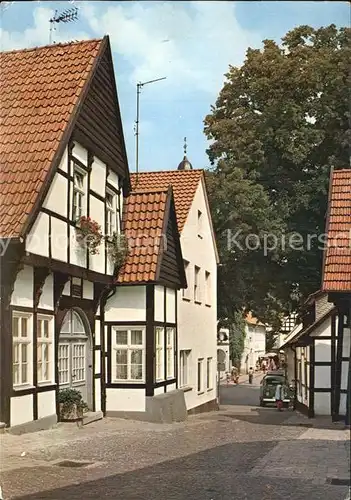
{"x": 233, "y": 374}
{"x": 251, "y": 372}
{"x": 279, "y": 396}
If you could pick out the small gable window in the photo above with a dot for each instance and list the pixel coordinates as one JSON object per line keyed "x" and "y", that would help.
{"x": 111, "y": 213}
{"x": 199, "y": 223}
{"x": 78, "y": 193}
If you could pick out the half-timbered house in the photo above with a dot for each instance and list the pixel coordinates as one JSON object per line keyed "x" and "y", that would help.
{"x": 70, "y": 316}
{"x": 320, "y": 345}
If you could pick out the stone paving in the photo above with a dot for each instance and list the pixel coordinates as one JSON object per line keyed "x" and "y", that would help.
{"x": 238, "y": 453}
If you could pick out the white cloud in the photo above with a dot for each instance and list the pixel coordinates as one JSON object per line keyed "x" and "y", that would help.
{"x": 38, "y": 34}
{"x": 192, "y": 45}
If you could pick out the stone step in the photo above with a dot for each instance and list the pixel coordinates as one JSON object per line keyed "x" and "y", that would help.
{"x": 92, "y": 416}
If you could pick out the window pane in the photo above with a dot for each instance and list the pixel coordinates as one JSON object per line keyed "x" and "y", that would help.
{"x": 121, "y": 357}
{"x": 121, "y": 337}
{"x": 45, "y": 353}
{"x": 15, "y": 326}
{"x": 15, "y": 374}
{"x": 121, "y": 372}
{"x": 39, "y": 353}
{"x": 136, "y": 356}
{"x": 39, "y": 328}
{"x": 46, "y": 329}
{"x": 15, "y": 353}
{"x": 24, "y": 373}
{"x": 24, "y": 322}
{"x": 24, "y": 353}
{"x": 136, "y": 337}
{"x": 136, "y": 372}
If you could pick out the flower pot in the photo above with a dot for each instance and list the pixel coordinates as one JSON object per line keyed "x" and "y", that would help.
{"x": 70, "y": 413}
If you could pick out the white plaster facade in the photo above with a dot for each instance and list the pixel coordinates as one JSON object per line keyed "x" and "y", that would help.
{"x": 254, "y": 345}
{"x": 197, "y": 306}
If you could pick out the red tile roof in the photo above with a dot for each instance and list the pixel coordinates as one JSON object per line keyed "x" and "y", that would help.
{"x": 184, "y": 184}
{"x": 337, "y": 261}
{"x": 143, "y": 220}
{"x": 39, "y": 90}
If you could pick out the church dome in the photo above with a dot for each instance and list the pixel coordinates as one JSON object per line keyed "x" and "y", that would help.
{"x": 185, "y": 164}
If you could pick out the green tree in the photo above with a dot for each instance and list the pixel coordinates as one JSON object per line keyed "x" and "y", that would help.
{"x": 279, "y": 124}
{"x": 236, "y": 327}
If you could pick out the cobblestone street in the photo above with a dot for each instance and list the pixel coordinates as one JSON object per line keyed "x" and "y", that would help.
{"x": 241, "y": 452}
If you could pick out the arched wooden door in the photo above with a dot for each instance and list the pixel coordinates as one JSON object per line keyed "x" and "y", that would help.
{"x": 75, "y": 355}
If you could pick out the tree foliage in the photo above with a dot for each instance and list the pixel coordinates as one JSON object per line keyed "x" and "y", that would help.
{"x": 281, "y": 121}
{"x": 236, "y": 327}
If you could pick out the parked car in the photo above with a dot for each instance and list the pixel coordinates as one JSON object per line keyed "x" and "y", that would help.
{"x": 268, "y": 387}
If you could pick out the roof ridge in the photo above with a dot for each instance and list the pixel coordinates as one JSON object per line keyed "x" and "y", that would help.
{"x": 178, "y": 172}
{"x": 53, "y": 45}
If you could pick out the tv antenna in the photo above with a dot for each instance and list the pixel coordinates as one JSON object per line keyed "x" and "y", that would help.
{"x": 139, "y": 87}
{"x": 67, "y": 16}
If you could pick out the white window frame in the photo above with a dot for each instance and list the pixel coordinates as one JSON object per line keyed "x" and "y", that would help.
{"x": 199, "y": 223}
{"x": 23, "y": 341}
{"x": 129, "y": 347}
{"x": 46, "y": 341}
{"x": 186, "y": 292}
{"x": 209, "y": 374}
{"x": 159, "y": 353}
{"x": 200, "y": 376}
{"x": 208, "y": 297}
{"x": 78, "y": 191}
{"x": 170, "y": 352}
{"x": 112, "y": 225}
{"x": 184, "y": 367}
{"x": 197, "y": 289}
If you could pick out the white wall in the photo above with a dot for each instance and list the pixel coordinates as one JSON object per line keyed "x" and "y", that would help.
{"x": 254, "y": 346}
{"x": 21, "y": 409}
{"x": 197, "y": 323}
{"x": 56, "y": 198}
{"x": 159, "y": 303}
{"x": 125, "y": 399}
{"x": 37, "y": 241}
{"x": 128, "y": 304}
{"x": 46, "y": 300}
{"x": 23, "y": 290}
{"x": 170, "y": 305}
{"x": 46, "y": 404}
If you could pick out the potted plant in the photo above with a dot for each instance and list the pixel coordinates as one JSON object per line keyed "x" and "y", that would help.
{"x": 71, "y": 405}
{"x": 89, "y": 234}
{"x": 117, "y": 249}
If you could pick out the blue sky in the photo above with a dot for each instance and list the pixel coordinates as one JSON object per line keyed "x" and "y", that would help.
{"x": 191, "y": 43}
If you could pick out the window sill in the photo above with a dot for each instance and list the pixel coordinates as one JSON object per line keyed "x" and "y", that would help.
{"x": 198, "y": 302}
{"x": 186, "y": 299}
{"x": 200, "y": 393}
{"x": 46, "y": 384}
{"x": 199, "y": 236}
{"x": 186, "y": 388}
{"x": 208, "y": 305}
{"x": 128, "y": 381}
{"x": 209, "y": 390}
{"x": 22, "y": 387}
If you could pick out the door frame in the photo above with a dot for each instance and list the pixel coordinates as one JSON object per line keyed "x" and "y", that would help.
{"x": 88, "y": 354}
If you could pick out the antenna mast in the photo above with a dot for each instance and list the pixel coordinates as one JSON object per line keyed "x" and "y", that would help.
{"x": 139, "y": 86}
{"x": 67, "y": 16}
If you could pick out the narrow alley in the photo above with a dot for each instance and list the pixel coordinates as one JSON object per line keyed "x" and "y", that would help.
{"x": 240, "y": 452}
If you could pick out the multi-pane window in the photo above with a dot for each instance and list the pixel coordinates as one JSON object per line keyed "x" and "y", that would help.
{"x": 111, "y": 213}
{"x": 184, "y": 368}
{"x": 64, "y": 363}
{"x": 186, "y": 291}
{"x": 208, "y": 288}
{"x": 197, "y": 296}
{"x": 78, "y": 193}
{"x": 170, "y": 336}
{"x": 159, "y": 353}
{"x": 21, "y": 349}
{"x": 44, "y": 349}
{"x": 129, "y": 354}
{"x": 209, "y": 382}
{"x": 200, "y": 375}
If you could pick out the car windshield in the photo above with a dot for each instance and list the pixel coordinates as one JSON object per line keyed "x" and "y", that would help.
{"x": 274, "y": 380}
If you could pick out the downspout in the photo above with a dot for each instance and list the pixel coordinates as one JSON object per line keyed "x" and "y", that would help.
{"x": 103, "y": 300}
{"x": 295, "y": 376}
